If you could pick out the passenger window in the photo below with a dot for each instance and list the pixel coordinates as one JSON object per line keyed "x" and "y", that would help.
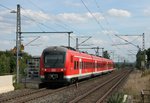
{"x": 74, "y": 64}
{"x": 77, "y": 65}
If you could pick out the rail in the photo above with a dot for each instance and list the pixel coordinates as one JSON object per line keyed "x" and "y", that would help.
{"x": 79, "y": 98}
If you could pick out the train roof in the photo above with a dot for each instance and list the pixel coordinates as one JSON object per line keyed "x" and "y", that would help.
{"x": 55, "y": 48}
{"x": 65, "y": 48}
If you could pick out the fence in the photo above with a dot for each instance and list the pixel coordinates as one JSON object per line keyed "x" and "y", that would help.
{"x": 145, "y": 96}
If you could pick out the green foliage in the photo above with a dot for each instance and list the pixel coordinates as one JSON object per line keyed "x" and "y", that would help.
{"x": 4, "y": 64}
{"x": 116, "y": 98}
{"x": 148, "y": 54}
{"x": 106, "y": 55}
{"x": 145, "y": 73}
{"x": 139, "y": 58}
{"x": 8, "y": 62}
{"x": 18, "y": 86}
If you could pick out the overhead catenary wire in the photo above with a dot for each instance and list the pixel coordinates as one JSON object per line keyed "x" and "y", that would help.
{"x": 36, "y": 20}
{"x": 5, "y": 7}
{"x": 110, "y": 27}
{"x": 26, "y": 17}
{"x": 51, "y": 28}
{"x": 96, "y": 20}
{"x": 43, "y": 23}
{"x": 59, "y": 22}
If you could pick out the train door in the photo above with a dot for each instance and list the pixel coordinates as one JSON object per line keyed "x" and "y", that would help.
{"x": 76, "y": 65}
{"x": 80, "y": 65}
{"x": 95, "y": 66}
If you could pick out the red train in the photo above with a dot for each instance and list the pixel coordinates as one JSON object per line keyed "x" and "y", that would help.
{"x": 62, "y": 64}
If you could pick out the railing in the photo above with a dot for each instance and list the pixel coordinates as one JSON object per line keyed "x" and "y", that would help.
{"x": 145, "y": 96}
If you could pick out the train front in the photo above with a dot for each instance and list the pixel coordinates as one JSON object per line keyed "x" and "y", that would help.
{"x": 52, "y": 64}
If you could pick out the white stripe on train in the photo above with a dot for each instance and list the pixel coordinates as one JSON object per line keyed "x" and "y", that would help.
{"x": 86, "y": 74}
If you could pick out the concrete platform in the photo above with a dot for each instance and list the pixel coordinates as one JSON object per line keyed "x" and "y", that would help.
{"x": 6, "y": 83}
{"x": 34, "y": 83}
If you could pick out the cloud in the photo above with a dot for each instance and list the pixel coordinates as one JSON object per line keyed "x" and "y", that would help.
{"x": 147, "y": 12}
{"x": 97, "y": 15}
{"x": 37, "y": 39}
{"x": 41, "y": 17}
{"x": 97, "y": 42}
{"x": 111, "y": 32}
{"x": 72, "y": 17}
{"x": 6, "y": 28}
{"x": 75, "y": 17}
{"x": 44, "y": 38}
{"x": 36, "y": 15}
{"x": 119, "y": 13}
{"x": 7, "y": 24}
{"x": 6, "y": 44}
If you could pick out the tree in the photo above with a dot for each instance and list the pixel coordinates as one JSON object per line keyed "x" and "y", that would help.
{"x": 8, "y": 62}
{"x": 4, "y": 64}
{"x": 148, "y": 54}
{"x": 139, "y": 58}
{"x": 148, "y": 57}
{"x": 106, "y": 55}
{"x": 23, "y": 59}
{"x": 12, "y": 64}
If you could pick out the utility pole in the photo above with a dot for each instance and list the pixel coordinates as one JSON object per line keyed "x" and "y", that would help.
{"x": 96, "y": 50}
{"x": 77, "y": 46}
{"x": 112, "y": 52}
{"x": 143, "y": 62}
{"x": 18, "y": 39}
{"x": 69, "y": 39}
{"x": 102, "y": 52}
{"x": 143, "y": 48}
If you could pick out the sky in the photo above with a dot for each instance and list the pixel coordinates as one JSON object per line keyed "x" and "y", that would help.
{"x": 105, "y": 21}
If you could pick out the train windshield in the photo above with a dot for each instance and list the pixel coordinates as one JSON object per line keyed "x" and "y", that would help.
{"x": 54, "y": 60}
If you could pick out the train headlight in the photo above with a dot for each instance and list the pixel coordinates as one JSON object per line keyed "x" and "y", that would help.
{"x": 64, "y": 69}
{"x": 42, "y": 76}
{"x": 42, "y": 69}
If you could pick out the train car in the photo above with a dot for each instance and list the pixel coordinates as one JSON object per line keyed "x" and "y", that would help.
{"x": 62, "y": 64}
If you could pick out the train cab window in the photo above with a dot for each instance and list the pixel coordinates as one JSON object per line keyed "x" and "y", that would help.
{"x": 54, "y": 60}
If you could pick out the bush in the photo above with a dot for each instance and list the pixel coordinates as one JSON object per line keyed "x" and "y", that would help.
{"x": 18, "y": 86}
{"x": 116, "y": 98}
{"x": 145, "y": 73}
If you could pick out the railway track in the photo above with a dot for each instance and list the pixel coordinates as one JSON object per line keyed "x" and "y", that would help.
{"x": 35, "y": 95}
{"x": 26, "y": 97}
{"x": 9, "y": 98}
{"x": 101, "y": 92}
{"x": 31, "y": 95}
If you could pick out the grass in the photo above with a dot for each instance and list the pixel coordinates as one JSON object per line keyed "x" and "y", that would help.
{"x": 18, "y": 86}
{"x": 136, "y": 82}
{"x": 145, "y": 73}
{"x": 116, "y": 98}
